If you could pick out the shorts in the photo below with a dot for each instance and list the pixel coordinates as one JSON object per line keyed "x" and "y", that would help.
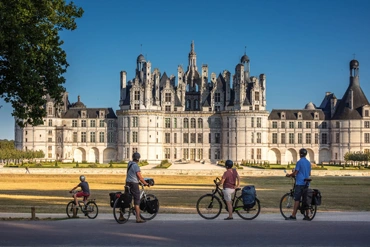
{"x": 228, "y": 193}
{"x": 135, "y": 192}
{"x": 298, "y": 192}
{"x": 82, "y": 194}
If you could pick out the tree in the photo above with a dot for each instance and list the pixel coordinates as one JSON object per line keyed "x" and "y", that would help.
{"x": 32, "y": 61}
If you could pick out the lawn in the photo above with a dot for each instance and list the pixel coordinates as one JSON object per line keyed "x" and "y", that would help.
{"x": 176, "y": 193}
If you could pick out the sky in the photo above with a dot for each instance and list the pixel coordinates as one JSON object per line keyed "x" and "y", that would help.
{"x": 302, "y": 46}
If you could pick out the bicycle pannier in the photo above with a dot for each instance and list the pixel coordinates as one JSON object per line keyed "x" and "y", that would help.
{"x": 249, "y": 196}
{"x": 125, "y": 200}
{"x": 113, "y": 196}
{"x": 307, "y": 197}
{"x": 316, "y": 200}
{"x": 152, "y": 206}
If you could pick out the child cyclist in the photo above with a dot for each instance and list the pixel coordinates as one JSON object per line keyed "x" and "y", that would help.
{"x": 85, "y": 189}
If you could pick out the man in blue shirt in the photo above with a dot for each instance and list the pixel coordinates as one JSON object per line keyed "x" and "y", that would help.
{"x": 301, "y": 172}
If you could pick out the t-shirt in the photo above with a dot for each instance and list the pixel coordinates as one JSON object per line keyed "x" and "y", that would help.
{"x": 303, "y": 167}
{"x": 131, "y": 174}
{"x": 85, "y": 187}
{"x": 230, "y": 178}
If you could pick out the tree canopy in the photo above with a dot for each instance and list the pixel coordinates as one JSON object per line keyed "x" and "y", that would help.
{"x": 32, "y": 61}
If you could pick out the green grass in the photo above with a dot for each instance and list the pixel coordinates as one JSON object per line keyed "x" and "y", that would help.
{"x": 176, "y": 193}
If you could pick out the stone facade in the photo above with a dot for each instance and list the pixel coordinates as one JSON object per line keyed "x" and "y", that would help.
{"x": 197, "y": 117}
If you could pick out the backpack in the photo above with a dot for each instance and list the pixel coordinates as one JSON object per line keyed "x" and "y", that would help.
{"x": 316, "y": 200}
{"x": 249, "y": 196}
{"x": 150, "y": 206}
{"x": 307, "y": 197}
{"x": 125, "y": 200}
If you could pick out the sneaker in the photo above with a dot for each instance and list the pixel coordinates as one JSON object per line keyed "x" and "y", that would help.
{"x": 229, "y": 218}
{"x": 291, "y": 218}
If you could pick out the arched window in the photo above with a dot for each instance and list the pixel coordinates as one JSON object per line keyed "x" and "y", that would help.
{"x": 196, "y": 104}
{"x": 186, "y": 123}
{"x": 200, "y": 123}
{"x": 188, "y": 104}
{"x": 193, "y": 123}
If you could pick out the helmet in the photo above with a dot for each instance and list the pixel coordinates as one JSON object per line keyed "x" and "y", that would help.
{"x": 82, "y": 178}
{"x": 136, "y": 156}
{"x": 228, "y": 163}
{"x": 302, "y": 152}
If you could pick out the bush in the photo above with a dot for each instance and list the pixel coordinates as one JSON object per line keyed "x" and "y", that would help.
{"x": 164, "y": 164}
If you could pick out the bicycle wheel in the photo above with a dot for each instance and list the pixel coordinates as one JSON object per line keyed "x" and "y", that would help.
{"x": 209, "y": 206}
{"x": 247, "y": 213}
{"x": 145, "y": 215}
{"x": 91, "y": 210}
{"x": 286, "y": 205}
{"x": 69, "y": 209}
{"x": 121, "y": 215}
{"x": 310, "y": 213}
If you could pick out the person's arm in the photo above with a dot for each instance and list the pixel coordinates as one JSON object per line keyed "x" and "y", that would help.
{"x": 75, "y": 188}
{"x": 140, "y": 177}
{"x": 293, "y": 174}
{"x": 237, "y": 181}
{"x": 221, "y": 182}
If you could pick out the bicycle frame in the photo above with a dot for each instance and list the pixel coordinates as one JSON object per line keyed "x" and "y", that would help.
{"x": 220, "y": 193}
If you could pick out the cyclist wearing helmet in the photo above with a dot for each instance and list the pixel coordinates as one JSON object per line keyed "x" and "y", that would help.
{"x": 133, "y": 178}
{"x": 301, "y": 171}
{"x": 85, "y": 189}
{"x": 230, "y": 181}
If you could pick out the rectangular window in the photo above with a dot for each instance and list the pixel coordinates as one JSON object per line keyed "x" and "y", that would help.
{"x": 209, "y": 138}
{"x": 101, "y": 136}
{"x": 50, "y": 122}
{"x": 134, "y": 136}
{"x": 274, "y": 125}
{"x": 200, "y": 154}
{"x": 175, "y": 153}
{"x": 217, "y": 138}
{"x": 168, "y": 97}
{"x": 167, "y": 153}
{"x": 167, "y": 108}
{"x": 83, "y": 123}
{"x": 300, "y": 125}
{"x": 101, "y": 123}
{"x": 110, "y": 123}
{"x": 92, "y": 123}
{"x": 135, "y": 121}
{"x": 337, "y": 138}
{"x": 324, "y": 138}
{"x": 200, "y": 137}
{"x": 83, "y": 136}
{"x": 308, "y": 138}
{"x": 186, "y": 137}
{"x": 175, "y": 122}
{"x": 186, "y": 154}
{"x": 308, "y": 125}
{"x": 367, "y": 124}
{"x": 259, "y": 153}
{"x": 217, "y": 154}
{"x": 367, "y": 138}
{"x": 92, "y": 137}
{"x": 137, "y": 95}
{"x": 167, "y": 123}
{"x": 74, "y": 123}
{"x": 252, "y": 137}
{"x": 291, "y": 138}
{"x": 291, "y": 125}
{"x": 324, "y": 125}
{"x": 192, "y": 154}
{"x": 274, "y": 138}
{"x": 259, "y": 122}
{"x": 136, "y": 107}
{"x": 259, "y": 139}
{"x": 299, "y": 138}
{"x": 110, "y": 137}
{"x": 316, "y": 138}
{"x": 167, "y": 137}
{"x": 74, "y": 136}
{"x": 316, "y": 125}
{"x": 50, "y": 148}
{"x": 337, "y": 124}
{"x": 252, "y": 154}
{"x": 50, "y": 132}
{"x": 282, "y": 138}
{"x": 174, "y": 137}
{"x": 217, "y": 97}
{"x": 192, "y": 138}
{"x": 252, "y": 122}
{"x": 283, "y": 125}
{"x": 257, "y": 96}
{"x": 128, "y": 137}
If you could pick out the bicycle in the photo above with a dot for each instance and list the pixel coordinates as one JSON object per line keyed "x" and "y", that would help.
{"x": 122, "y": 215}
{"x": 88, "y": 207}
{"x": 209, "y": 205}
{"x": 287, "y": 203}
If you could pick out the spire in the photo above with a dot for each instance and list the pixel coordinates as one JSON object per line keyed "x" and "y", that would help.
{"x": 192, "y": 57}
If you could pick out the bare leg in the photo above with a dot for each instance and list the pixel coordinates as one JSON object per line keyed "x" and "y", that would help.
{"x": 230, "y": 209}
{"x": 295, "y": 208}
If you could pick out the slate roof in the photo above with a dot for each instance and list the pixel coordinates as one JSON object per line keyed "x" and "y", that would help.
{"x": 90, "y": 112}
{"x": 293, "y": 114}
{"x": 343, "y": 110}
